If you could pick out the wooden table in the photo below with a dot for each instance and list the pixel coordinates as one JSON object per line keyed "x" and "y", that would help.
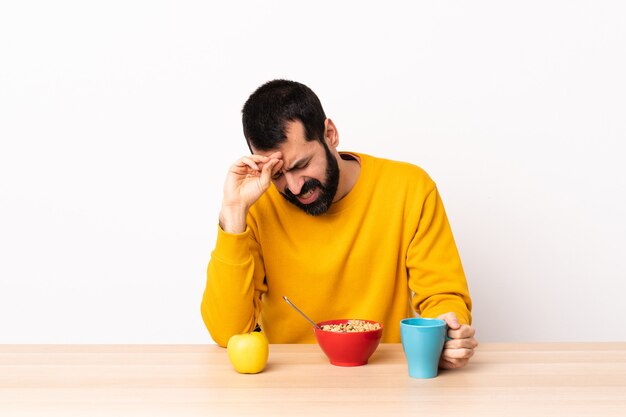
{"x": 198, "y": 380}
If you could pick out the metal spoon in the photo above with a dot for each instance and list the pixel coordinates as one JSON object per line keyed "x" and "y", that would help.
{"x": 301, "y": 313}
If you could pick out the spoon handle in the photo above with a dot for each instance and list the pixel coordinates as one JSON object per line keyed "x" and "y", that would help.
{"x": 301, "y": 313}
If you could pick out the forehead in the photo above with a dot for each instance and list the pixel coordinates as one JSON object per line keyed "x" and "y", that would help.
{"x": 296, "y": 146}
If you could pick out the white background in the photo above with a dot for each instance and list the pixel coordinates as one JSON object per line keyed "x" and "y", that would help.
{"x": 118, "y": 120}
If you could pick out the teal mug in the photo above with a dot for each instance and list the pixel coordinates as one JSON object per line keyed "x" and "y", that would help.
{"x": 422, "y": 341}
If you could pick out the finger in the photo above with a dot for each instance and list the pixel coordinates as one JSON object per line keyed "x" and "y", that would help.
{"x": 452, "y": 363}
{"x": 463, "y": 332}
{"x": 451, "y": 320}
{"x": 258, "y": 158}
{"x": 266, "y": 173}
{"x": 248, "y": 161}
{"x": 277, "y": 167}
{"x": 276, "y": 155}
{"x": 457, "y": 353}
{"x": 469, "y": 343}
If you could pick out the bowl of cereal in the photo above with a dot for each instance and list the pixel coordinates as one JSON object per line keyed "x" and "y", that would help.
{"x": 348, "y": 342}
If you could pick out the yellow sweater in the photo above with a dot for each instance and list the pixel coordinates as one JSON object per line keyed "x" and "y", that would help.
{"x": 383, "y": 250}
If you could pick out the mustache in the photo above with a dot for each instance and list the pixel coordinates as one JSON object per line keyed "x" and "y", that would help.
{"x": 306, "y": 187}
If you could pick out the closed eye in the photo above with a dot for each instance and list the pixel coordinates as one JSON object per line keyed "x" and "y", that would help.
{"x": 300, "y": 165}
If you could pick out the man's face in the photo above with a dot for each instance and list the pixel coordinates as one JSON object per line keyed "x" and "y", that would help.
{"x": 309, "y": 175}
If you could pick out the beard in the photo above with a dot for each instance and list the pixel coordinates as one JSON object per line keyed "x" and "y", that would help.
{"x": 327, "y": 190}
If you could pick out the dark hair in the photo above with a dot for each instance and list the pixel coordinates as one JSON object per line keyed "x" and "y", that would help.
{"x": 275, "y": 103}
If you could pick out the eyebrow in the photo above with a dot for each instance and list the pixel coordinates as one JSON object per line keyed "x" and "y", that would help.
{"x": 298, "y": 163}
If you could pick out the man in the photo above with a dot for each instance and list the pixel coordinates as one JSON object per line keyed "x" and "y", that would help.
{"x": 343, "y": 235}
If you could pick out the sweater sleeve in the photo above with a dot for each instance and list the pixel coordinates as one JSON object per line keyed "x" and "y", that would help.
{"x": 231, "y": 303}
{"x": 436, "y": 275}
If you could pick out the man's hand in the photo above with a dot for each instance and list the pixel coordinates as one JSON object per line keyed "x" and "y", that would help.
{"x": 458, "y": 351}
{"x": 246, "y": 181}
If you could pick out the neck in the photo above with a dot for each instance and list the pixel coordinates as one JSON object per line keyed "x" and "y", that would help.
{"x": 349, "y": 169}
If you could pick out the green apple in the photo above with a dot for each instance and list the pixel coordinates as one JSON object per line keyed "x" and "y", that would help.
{"x": 248, "y": 352}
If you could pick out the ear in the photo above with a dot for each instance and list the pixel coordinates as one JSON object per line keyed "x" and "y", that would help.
{"x": 331, "y": 135}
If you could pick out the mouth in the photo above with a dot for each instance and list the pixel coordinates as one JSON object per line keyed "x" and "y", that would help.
{"x": 309, "y": 196}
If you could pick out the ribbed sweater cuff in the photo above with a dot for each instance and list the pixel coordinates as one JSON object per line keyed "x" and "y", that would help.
{"x": 232, "y": 248}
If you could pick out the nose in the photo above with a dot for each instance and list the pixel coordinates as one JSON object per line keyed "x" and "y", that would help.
{"x": 294, "y": 183}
